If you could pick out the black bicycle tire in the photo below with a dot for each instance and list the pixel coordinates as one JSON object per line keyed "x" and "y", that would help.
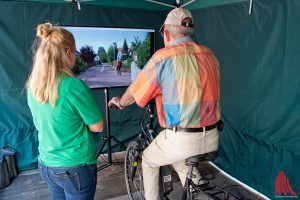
{"x": 129, "y": 184}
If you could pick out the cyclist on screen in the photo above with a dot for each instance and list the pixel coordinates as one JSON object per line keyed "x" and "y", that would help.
{"x": 183, "y": 78}
{"x": 119, "y": 66}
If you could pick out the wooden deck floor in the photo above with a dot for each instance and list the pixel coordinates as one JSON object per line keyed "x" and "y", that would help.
{"x": 111, "y": 185}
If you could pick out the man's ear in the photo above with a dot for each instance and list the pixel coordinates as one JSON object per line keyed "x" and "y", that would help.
{"x": 167, "y": 35}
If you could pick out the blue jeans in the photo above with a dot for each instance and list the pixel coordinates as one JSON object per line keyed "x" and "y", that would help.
{"x": 70, "y": 183}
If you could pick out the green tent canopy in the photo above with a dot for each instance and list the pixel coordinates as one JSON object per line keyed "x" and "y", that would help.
{"x": 142, "y": 4}
{"x": 259, "y": 61}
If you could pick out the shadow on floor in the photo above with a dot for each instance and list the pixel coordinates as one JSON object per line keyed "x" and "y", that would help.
{"x": 111, "y": 184}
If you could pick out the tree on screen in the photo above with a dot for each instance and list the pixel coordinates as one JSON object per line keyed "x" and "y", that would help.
{"x": 80, "y": 65}
{"x": 125, "y": 50}
{"x": 115, "y": 50}
{"x": 143, "y": 52}
{"x": 112, "y": 52}
{"x": 102, "y": 54}
{"x": 136, "y": 43}
{"x": 88, "y": 54}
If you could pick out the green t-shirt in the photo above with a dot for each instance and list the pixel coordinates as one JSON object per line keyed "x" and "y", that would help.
{"x": 64, "y": 138}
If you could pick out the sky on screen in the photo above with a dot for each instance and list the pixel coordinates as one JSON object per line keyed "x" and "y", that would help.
{"x": 104, "y": 37}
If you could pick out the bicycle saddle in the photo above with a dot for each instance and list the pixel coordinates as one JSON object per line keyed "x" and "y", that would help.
{"x": 201, "y": 158}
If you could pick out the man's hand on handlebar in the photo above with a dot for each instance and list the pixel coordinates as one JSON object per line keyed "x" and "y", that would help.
{"x": 115, "y": 103}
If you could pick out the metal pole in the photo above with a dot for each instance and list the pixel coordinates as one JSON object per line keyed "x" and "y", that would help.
{"x": 108, "y": 135}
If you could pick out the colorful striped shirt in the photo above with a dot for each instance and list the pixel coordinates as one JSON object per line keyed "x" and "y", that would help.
{"x": 184, "y": 80}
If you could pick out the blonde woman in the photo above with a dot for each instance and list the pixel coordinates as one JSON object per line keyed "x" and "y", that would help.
{"x": 64, "y": 113}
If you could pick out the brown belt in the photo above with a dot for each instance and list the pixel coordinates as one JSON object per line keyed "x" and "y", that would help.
{"x": 190, "y": 130}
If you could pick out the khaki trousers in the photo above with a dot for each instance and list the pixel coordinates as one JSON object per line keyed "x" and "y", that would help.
{"x": 172, "y": 148}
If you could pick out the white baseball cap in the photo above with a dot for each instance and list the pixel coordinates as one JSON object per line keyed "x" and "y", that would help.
{"x": 176, "y": 17}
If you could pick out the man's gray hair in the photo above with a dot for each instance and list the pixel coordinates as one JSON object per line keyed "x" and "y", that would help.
{"x": 179, "y": 30}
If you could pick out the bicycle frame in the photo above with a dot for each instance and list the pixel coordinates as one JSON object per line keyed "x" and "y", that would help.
{"x": 148, "y": 133}
{"x": 144, "y": 139}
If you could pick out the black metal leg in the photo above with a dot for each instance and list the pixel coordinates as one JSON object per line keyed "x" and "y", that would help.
{"x": 117, "y": 141}
{"x": 104, "y": 140}
{"x": 108, "y": 138}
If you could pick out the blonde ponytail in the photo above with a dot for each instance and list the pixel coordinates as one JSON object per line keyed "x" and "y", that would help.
{"x": 50, "y": 62}
{"x": 43, "y": 30}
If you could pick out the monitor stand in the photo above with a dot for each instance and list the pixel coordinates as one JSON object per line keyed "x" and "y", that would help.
{"x": 107, "y": 140}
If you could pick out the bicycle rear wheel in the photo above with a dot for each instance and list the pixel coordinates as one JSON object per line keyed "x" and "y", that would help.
{"x": 133, "y": 172}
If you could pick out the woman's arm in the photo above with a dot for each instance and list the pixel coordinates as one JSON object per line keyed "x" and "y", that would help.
{"x": 98, "y": 127}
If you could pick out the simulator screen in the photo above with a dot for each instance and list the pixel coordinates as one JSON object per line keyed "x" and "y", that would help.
{"x": 111, "y": 57}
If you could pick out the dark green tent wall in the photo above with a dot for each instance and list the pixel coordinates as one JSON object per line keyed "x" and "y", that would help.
{"x": 259, "y": 80}
{"x": 260, "y": 70}
{"x": 17, "y": 30}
